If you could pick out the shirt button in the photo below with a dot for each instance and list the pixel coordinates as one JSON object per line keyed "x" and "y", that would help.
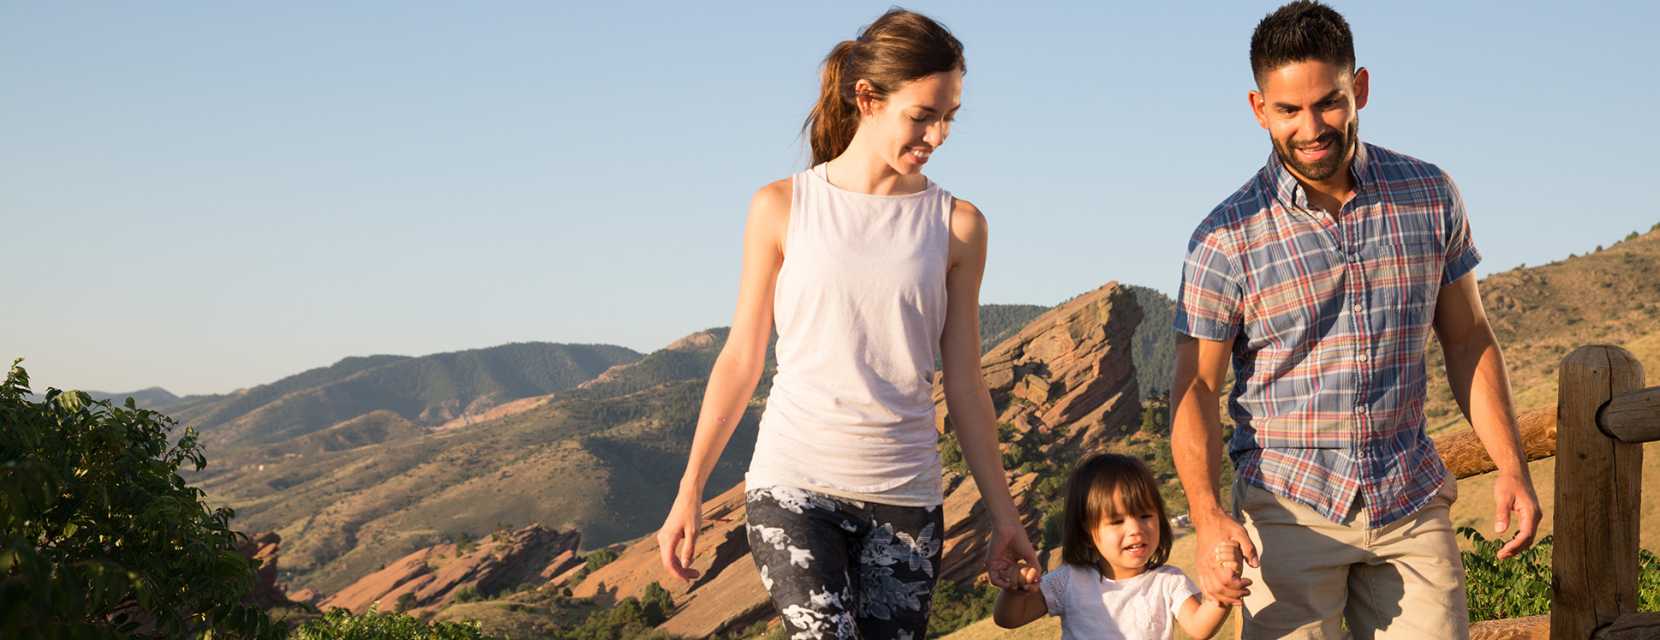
{"x": 1362, "y": 357}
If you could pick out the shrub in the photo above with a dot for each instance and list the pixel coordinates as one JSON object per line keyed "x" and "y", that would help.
{"x": 1521, "y": 586}
{"x": 599, "y": 559}
{"x": 657, "y": 603}
{"x": 1511, "y": 588}
{"x": 468, "y": 593}
{"x": 341, "y": 624}
{"x": 628, "y": 619}
{"x": 99, "y": 535}
{"x": 951, "y": 455}
{"x": 955, "y": 607}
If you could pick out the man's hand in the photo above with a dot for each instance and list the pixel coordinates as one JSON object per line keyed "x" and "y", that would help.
{"x": 1512, "y": 493}
{"x": 1218, "y": 582}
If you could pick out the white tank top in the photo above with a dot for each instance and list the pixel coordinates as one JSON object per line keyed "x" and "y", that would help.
{"x": 859, "y": 304}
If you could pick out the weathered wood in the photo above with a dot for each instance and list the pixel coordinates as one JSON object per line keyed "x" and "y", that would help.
{"x": 1598, "y": 480}
{"x": 1633, "y": 417}
{"x": 1529, "y": 628}
{"x": 1631, "y": 626}
{"x": 1465, "y": 457}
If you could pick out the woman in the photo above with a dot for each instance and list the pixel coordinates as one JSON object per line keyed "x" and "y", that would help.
{"x": 872, "y": 273}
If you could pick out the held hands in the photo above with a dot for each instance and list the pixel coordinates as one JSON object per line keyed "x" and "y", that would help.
{"x": 1018, "y": 576}
{"x": 1011, "y": 562}
{"x": 677, "y": 540}
{"x": 1229, "y": 548}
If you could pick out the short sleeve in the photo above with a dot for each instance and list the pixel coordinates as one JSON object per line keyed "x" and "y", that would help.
{"x": 1461, "y": 255}
{"x": 1053, "y": 586}
{"x": 1178, "y": 588}
{"x": 1208, "y": 305}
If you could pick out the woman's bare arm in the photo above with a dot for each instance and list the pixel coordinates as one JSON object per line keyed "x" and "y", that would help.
{"x": 736, "y": 372}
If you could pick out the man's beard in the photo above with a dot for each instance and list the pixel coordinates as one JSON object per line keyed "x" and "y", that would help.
{"x": 1342, "y": 143}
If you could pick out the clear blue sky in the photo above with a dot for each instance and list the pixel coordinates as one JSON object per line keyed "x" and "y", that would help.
{"x": 206, "y": 196}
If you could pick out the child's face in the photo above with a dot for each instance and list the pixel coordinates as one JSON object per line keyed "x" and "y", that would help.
{"x": 1126, "y": 540}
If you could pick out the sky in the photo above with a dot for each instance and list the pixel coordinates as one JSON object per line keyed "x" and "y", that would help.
{"x": 209, "y": 196}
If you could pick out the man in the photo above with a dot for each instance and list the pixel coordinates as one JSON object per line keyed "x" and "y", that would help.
{"x": 1321, "y": 280}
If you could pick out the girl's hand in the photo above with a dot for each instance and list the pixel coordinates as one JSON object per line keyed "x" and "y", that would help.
{"x": 1029, "y": 577}
{"x": 677, "y": 540}
{"x": 1230, "y": 557}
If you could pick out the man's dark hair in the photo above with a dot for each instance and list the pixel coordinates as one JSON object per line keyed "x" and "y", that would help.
{"x": 1300, "y": 31}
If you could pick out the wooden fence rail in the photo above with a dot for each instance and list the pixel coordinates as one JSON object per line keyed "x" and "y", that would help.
{"x": 1603, "y": 416}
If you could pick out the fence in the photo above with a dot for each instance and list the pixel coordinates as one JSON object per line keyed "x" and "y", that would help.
{"x": 1602, "y": 418}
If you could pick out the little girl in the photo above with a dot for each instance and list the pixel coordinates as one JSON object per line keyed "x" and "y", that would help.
{"x": 1114, "y": 583}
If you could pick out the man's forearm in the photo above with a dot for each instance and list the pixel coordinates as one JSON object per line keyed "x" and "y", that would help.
{"x": 1196, "y": 446}
{"x": 1476, "y": 371}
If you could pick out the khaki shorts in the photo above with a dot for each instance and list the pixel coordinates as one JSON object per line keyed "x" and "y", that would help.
{"x": 1404, "y": 580}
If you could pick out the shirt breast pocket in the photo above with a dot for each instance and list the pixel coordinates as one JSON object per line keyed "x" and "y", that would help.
{"x": 1407, "y": 278}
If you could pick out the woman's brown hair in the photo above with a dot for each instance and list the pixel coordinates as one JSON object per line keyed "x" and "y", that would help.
{"x": 899, "y": 47}
{"x": 1097, "y": 489}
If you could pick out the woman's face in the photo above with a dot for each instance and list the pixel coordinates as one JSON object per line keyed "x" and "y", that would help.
{"x": 914, "y": 120}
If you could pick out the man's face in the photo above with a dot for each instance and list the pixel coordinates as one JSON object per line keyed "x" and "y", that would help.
{"x": 1311, "y": 110}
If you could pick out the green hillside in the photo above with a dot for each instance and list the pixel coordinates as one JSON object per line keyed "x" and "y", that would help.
{"x": 999, "y": 322}
{"x": 1155, "y": 342}
{"x": 427, "y": 390}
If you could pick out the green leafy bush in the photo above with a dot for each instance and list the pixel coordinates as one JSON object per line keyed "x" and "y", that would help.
{"x": 341, "y": 624}
{"x": 1511, "y": 588}
{"x": 1521, "y": 586}
{"x": 657, "y": 603}
{"x": 628, "y": 619}
{"x": 100, "y": 536}
{"x": 599, "y": 559}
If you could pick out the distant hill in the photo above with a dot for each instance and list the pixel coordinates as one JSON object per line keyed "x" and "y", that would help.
{"x": 150, "y": 398}
{"x": 360, "y": 462}
{"x": 1155, "y": 342}
{"x": 1609, "y": 295}
{"x": 1000, "y": 321}
{"x": 427, "y": 390}
{"x": 593, "y": 454}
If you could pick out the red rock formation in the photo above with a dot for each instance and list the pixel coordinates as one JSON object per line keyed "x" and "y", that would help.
{"x": 263, "y": 548}
{"x": 434, "y": 575}
{"x": 1068, "y": 375}
{"x": 727, "y": 594}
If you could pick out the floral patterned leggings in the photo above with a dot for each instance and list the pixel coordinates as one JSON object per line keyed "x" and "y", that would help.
{"x": 839, "y": 568}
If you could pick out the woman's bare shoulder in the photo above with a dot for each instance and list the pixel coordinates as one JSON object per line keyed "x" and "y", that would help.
{"x": 967, "y": 220}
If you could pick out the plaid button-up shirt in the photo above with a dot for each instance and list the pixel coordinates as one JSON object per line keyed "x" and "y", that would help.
{"x": 1330, "y": 321}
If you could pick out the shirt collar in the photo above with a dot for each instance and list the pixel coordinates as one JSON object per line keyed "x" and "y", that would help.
{"x": 1290, "y": 192}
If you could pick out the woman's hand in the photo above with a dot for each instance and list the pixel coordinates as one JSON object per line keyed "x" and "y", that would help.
{"x": 677, "y": 540}
{"x": 1009, "y": 549}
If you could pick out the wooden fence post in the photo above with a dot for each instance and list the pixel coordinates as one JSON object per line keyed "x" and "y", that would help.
{"x": 1598, "y": 483}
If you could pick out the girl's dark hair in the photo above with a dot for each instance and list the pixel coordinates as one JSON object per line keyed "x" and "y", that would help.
{"x": 1299, "y": 31}
{"x": 1095, "y": 491}
{"x": 899, "y": 47}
